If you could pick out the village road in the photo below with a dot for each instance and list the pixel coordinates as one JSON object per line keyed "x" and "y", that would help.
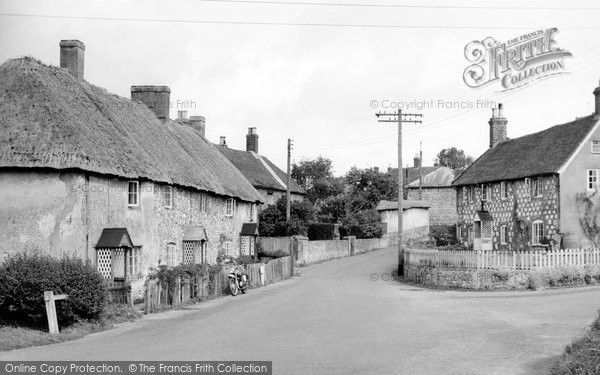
{"x": 337, "y": 319}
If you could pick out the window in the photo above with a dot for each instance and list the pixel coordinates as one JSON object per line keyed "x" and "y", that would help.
{"x": 133, "y": 192}
{"x": 270, "y": 198}
{"x": 503, "y": 190}
{"x": 167, "y": 196}
{"x": 527, "y": 186}
{"x": 230, "y": 207}
{"x": 227, "y": 248}
{"x": 133, "y": 261}
{"x": 203, "y": 199}
{"x": 535, "y": 186}
{"x": 470, "y": 234}
{"x": 592, "y": 179}
{"x": 537, "y": 232}
{"x": 464, "y": 194}
{"x": 252, "y": 211}
{"x": 171, "y": 255}
{"x": 503, "y": 234}
{"x": 484, "y": 192}
{"x": 595, "y": 146}
{"x": 459, "y": 232}
{"x": 470, "y": 193}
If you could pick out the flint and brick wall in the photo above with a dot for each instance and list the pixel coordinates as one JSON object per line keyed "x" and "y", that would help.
{"x": 519, "y": 206}
{"x": 466, "y": 278}
{"x": 443, "y": 203}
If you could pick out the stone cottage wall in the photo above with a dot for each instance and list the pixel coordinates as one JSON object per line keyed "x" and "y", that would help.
{"x": 61, "y": 213}
{"x": 443, "y": 203}
{"x": 518, "y": 211}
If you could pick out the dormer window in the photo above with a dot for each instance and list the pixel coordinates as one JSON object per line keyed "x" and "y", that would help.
{"x": 133, "y": 194}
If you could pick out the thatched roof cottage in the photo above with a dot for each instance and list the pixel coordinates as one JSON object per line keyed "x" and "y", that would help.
{"x": 111, "y": 179}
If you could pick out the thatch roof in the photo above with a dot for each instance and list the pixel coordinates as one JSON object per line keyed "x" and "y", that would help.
{"x": 535, "y": 154}
{"x": 406, "y": 204}
{"x": 51, "y": 120}
{"x": 259, "y": 170}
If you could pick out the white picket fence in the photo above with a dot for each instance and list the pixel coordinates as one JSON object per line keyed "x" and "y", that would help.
{"x": 494, "y": 259}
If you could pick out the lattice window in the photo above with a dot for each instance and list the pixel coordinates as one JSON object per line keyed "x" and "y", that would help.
{"x": 104, "y": 262}
{"x": 190, "y": 249}
{"x": 486, "y": 229}
{"x": 118, "y": 262}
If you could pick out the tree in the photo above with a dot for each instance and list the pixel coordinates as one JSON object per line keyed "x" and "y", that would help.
{"x": 454, "y": 159}
{"x": 316, "y": 177}
{"x": 366, "y": 187}
{"x": 272, "y": 221}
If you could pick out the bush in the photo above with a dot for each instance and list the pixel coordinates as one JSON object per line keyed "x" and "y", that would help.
{"x": 443, "y": 234}
{"x": 322, "y": 231}
{"x": 363, "y": 224}
{"x": 25, "y": 276}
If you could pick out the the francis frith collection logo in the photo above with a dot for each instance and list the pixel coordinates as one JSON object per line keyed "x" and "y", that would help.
{"x": 515, "y": 63}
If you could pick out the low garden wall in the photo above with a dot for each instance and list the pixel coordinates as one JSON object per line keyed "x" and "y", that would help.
{"x": 497, "y": 270}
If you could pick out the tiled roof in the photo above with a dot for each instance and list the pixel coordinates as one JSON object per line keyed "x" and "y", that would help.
{"x": 442, "y": 176}
{"x": 259, "y": 170}
{"x": 534, "y": 154}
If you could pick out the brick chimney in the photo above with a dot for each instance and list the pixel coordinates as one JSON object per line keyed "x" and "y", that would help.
{"x": 252, "y": 140}
{"x": 597, "y": 95}
{"x": 198, "y": 123}
{"x": 416, "y": 161}
{"x": 497, "y": 126}
{"x": 72, "y": 53}
{"x": 157, "y": 98}
{"x": 182, "y": 115}
{"x": 222, "y": 141}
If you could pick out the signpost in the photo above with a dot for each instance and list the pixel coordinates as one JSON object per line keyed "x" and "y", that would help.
{"x": 49, "y": 298}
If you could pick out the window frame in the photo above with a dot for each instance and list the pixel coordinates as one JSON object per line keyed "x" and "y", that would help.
{"x": 503, "y": 190}
{"x": 135, "y": 194}
{"x": 203, "y": 202}
{"x": 592, "y": 143}
{"x": 589, "y": 182}
{"x": 133, "y": 261}
{"x": 527, "y": 187}
{"x": 470, "y": 194}
{"x": 230, "y": 207}
{"x": 171, "y": 256}
{"x": 163, "y": 190}
{"x": 503, "y": 234}
{"x": 537, "y": 232}
{"x": 484, "y": 192}
{"x": 252, "y": 212}
{"x": 535, "y": 186}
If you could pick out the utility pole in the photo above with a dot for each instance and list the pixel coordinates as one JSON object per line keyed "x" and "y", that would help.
{"x": 399, "y": 118}
{"x": 420, "y": 170}
{"x": 287, "y": 203}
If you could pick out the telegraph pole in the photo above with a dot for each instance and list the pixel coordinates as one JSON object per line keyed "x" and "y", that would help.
{"x": 287, "y": 203}
{"x": 420, "y": 171}
{"x": 399, "y": 118}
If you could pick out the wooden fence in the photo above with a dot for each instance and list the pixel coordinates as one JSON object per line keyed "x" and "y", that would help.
{"x": 161, "y": 294}
{"x": 494, "y": 259}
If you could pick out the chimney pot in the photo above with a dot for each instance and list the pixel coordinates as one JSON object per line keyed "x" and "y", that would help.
{"x": 182, "y": 115}
{"x": 72, "y": 56}
{"x": 222, "y": 141}
{"x": 198, "y": 123}
{"x": 252, "y": 140}
{"x": 157, "y": 98}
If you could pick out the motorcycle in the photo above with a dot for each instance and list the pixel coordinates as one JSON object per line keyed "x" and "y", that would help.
{"x": 238, "y": 281}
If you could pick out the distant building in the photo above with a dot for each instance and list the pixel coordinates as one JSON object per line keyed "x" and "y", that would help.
{"x": 266, "y": 177}
{"x": 437, "y": 190}
{"x": 109, "y": 179}
{"x": 521, "y": 192}
{"x": 415, "y": 220}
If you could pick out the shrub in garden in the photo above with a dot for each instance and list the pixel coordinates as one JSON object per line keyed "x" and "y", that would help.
{"x": 321, "y": 231}
{"x": 443, "y": 234}
{"x": 25, "y": 276}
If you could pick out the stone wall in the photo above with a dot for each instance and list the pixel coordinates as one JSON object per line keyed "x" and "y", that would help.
{"x": 443, "y": 203}
{"x": 318, "y": 251}
{"x": 517, "y": 211}
{"x": 466, "y": 278}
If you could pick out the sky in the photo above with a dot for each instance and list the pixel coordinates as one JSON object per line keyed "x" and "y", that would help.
{"x": 317, "y": 71}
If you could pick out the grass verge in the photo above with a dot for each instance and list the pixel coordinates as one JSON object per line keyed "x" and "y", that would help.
{"x": 14, "y": 336}
{"x": 583, "y": 356}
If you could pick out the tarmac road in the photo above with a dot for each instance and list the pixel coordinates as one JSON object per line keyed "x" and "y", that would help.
{"x": 337, "y": 319}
